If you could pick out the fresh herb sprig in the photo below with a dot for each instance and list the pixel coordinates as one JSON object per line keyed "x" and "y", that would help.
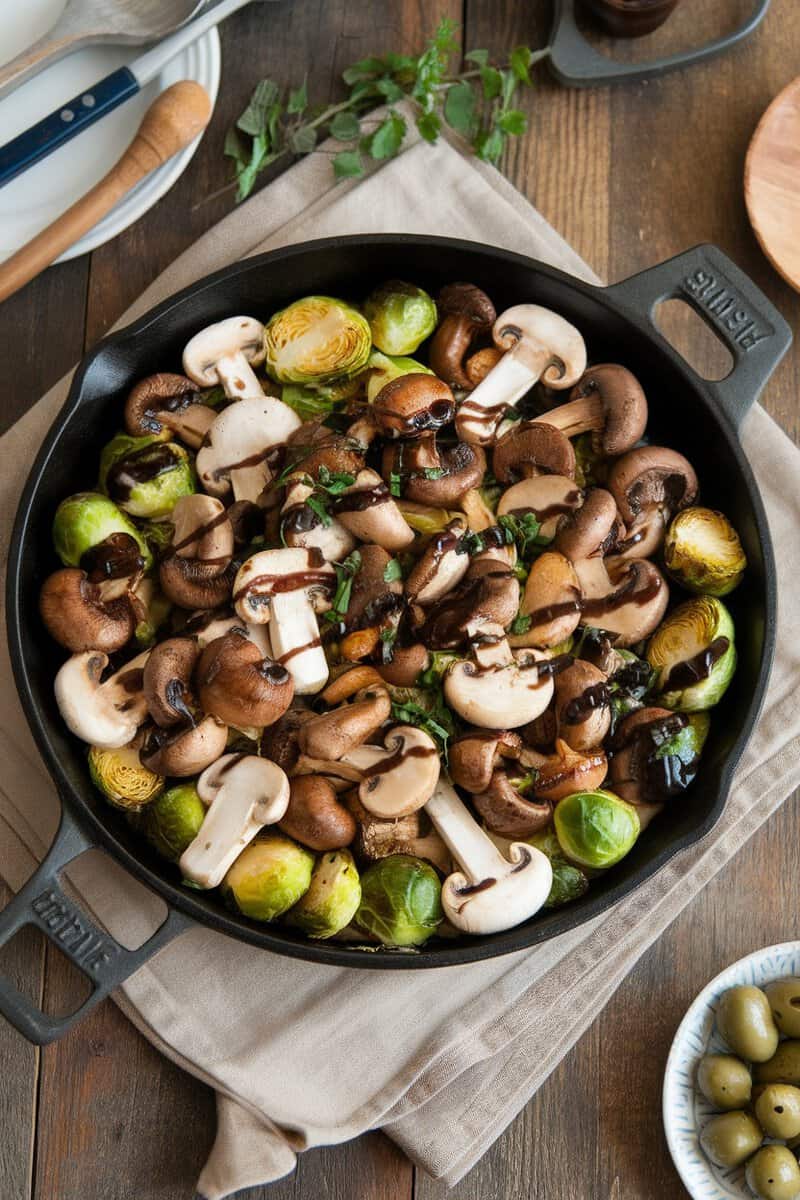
{"x": 477, "y": 102}
{"x": 345, "y": 573}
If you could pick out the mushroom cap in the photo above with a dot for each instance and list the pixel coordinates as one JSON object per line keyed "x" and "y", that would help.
{"x": 507, "y": 812}
{"x": 479, "y": 364}
{"x": 652, "y": 475}
{"x": 400, "y": 778}
{"x": 76, "y": 617}
{"x": 314, "y": 445}
{"x": 167, "y": 680}
{"x": 280, "y": 741}
{"x": 202, "y": 532}
{"x": 628, "y": 769}
{"x": 583, "y": 705}
{"x": 624, "y": 405}
{"x": 567, "y": 771}
{"x": 372, "y": 597}
{"x": 465, "y": 313}
{"x": 282, "y": 571}
{"x": 552, "y": 599}
{"x": 406, "y": 665}
{"x": 225, "y": 339}
{"x": 489, "y": 592}
{"x": 544, "y": 341}
{"x": 367, "y": 509}
{"x": 456, "y": 469}
{"x": 190, "y": 586}
{"x": 636, "y": 606}
{"x": 548, "y": 497}
{"x": 301, "y": 526}
{"x": 412, "y": 405}
{"x": 90, "y": 709}
{"x": 508, "y": 901}
{"x": 238, "y": 686}
{"x": 467, "y": 301}
{"x": 441, "y": 566}
{"x": 153, "y": 395}
{"x": 590, "y": 531}
{"x": 315, "y": 817}
{"x": 499, "y": 697}
{"x": 184, "y": 751}
{"x": 532, "y": 446}
{"x": 473, "y": 756}
{"x": 334, "y": 734}
{"x": 242, "y": 437}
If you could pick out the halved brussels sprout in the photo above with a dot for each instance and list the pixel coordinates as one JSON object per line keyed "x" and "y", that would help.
{"x": 693, "y": 654}
{"x": 426, "y": 520}
{"x": 268, "y": 877}
{"x": 122, "y": 779}
{"x": 173, "y": 820}
{"x": 569, "y": 881}
{"x": 401, "y": 901}
{"x": 673, "y": 763}
{"x": 595, "y": 829}
{"x": 383, "y": 368}
{"x": 332, "y": 899}
{"x": 316, "y": 340}
{"x": 144, "y": 476}
{"x": 400, "y": 316}
{"x": 85, "y": 521}
{"x": 319, "y": 400}
{"x": 156, "y": 608}
{"x": 703, "y": 553}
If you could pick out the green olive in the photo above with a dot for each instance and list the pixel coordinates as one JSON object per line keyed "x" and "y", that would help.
{"x": 783, "y": 1067}
{"x": 784, "y": 1000}
{"x": 724, "y": 1081}
{"x": 731, "y": 1138}
{"x": 745, "y": 1022}
{"x": 778, "y": 1110}
{"x": 773, "y": 1174}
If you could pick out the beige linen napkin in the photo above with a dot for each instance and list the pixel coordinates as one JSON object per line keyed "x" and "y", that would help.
{"x": 441, "y": 1060}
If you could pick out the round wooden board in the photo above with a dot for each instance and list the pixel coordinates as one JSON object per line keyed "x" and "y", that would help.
{"x": 772, "y": 183}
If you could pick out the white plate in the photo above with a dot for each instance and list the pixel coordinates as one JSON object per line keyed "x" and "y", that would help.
{"x": 685, "y": 1110}
{"x": 35, "y": 198}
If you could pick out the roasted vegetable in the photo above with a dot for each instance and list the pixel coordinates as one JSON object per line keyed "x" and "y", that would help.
{"x": 400, "y": 901}
{"x": 400, "y": 316}
{"x": 693, "y": 655}
{"x": 268, "y": 877}
{"x": 122, "y": 779}
{"x": 316, "y": 340}
{"x": 89, "y": 525}
{"x": 702, "y": 552}
{"x": 145, "y": 476}
{"x": 596, "y": 829}
{"x": 172, "y": 821}
{"x": 383, "y": 368}
{"x": 332, "y": 898}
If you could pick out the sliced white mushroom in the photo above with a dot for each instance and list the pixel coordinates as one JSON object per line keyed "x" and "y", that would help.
{"x": 287, "y": 588}
{"x": 237, "y": 447}
{"x": 243, "y": 793}
{"x": 538, "y": 344}
{"x": 498, "y": 688}
{"x": 398, "y": 778}
{"x": 332, "y": 540}
{"x": 490, "y": 893}
{"x": 223, "y": 354}
{"x": 367, "y": 509}
{"x": 103, "y": 714}
{"x": 548, "y": 497}
{"x": 222, "y": 625}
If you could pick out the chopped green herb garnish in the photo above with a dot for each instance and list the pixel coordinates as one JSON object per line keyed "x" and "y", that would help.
{"x": 345, "y": 572}
{"x": 317, "y": 506}
{"x": 521, "y": 624}
{"x": 395, "y": 484}
{"x": 392, "y": 571}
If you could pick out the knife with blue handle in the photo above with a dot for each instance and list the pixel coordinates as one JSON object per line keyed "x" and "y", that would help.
{"x": 93, "y": 103}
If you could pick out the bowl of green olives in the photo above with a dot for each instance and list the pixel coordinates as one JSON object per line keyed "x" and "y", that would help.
{"x": 731, "y": 1097}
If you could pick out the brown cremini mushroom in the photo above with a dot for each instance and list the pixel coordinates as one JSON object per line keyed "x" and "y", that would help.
{"x": 479, "y": 364}
{"x": 76, "y": 616}
{"x": 300, "y": 525}
{"x": 650, "y": 484}
{"x": 532, "y": 448}
{"x": 428, "y": 473}
{"x": 474, "y": 757}
{"x": 280, "y": 741}
{"x": 585, "y": 536}
{"x": 466, "y": 312}
{"x": 313, "y": 445}
{"x": 441, "y": 566}
{"x": 184, "y": 751}
{"x": 193, "y": 571}
{"x": 171, "y": 402}
{"x": 406, "y": 665}
{"x": 374, "y": 599}
{"x": 167, "y": 680}
{"x": 360, "y": 712}
{"x": 583, "y": 705}
{"x": 236, "y": 684}
{"x": 551, "y": 602}
{"x": 548, "y": 497}
{"x": 412, "y": 834}
{"x": 566, "y": 771}
{"x": 506, "y": 811}
{"x": 315, "y": 816}
{"x": 413, "y": 405}
{"x": 367, "y": 509}
{"x": 607, "y": 401}
{"x": 488, "y": 593}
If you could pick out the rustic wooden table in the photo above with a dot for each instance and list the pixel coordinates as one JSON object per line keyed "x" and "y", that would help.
{"x": 629, "y": 176}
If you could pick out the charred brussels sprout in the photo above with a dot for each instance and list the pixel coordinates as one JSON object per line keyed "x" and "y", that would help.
{"x": 382, "y": 369}
{"x": 703, "y": 553}
{"x": 693, "y": 654}
{"x": 569, "y": 881}
{"x": 315, "y": 341}
{"x": 144, "y": 476}
{"x": 400, "y": 316}
{"x": 122, "y": 779}
{"x": 401, "y": 901}
{"x": 332, "y": 899}
{"x": 173, "y": 820}
{"x": 268, "y": 877}
{"x": 596, "y": 829}
{"x": 89, "y": 525}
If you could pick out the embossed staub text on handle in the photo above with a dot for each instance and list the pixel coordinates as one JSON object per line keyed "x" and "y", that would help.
{"x": 726, "y": 308}
{"x": 86, "y": 945}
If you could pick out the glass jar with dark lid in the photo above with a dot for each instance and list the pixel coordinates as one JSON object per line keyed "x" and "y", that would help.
{"x": 631, "y": 18}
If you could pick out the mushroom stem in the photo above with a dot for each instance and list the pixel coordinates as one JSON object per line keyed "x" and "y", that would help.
{"x": 479, "y": 416}
{"x": 577, "y": 416}
{"x": 472, "y": 849}
{"x": 296, "y": 641}
{"x": 238, "y": 378}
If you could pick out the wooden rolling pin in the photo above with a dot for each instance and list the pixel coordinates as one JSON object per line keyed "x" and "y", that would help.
{"x": 173, "y": 120}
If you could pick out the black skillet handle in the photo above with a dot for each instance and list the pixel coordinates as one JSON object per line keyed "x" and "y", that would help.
{"x": 102, "y": 960}
{"x": 576, "y": 63}
{"x": 730, "y": 304}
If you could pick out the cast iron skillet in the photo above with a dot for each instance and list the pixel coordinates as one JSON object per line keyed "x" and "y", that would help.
{"x": 696, "y": 417}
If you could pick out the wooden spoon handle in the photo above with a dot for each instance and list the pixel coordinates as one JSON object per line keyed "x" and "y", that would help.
{"x": 173, "y": 120}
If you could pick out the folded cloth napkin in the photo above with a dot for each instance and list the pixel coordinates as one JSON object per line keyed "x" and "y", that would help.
{"x": 440, "y": 1060}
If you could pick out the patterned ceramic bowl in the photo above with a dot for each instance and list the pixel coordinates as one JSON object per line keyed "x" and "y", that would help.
{"x": 685, "y": 1109}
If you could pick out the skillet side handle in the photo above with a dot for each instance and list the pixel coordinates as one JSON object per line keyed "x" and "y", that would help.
{"x": 43, "y": 903}
{"x": 731, "y": 305}
{"x": 576, "y": 63}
